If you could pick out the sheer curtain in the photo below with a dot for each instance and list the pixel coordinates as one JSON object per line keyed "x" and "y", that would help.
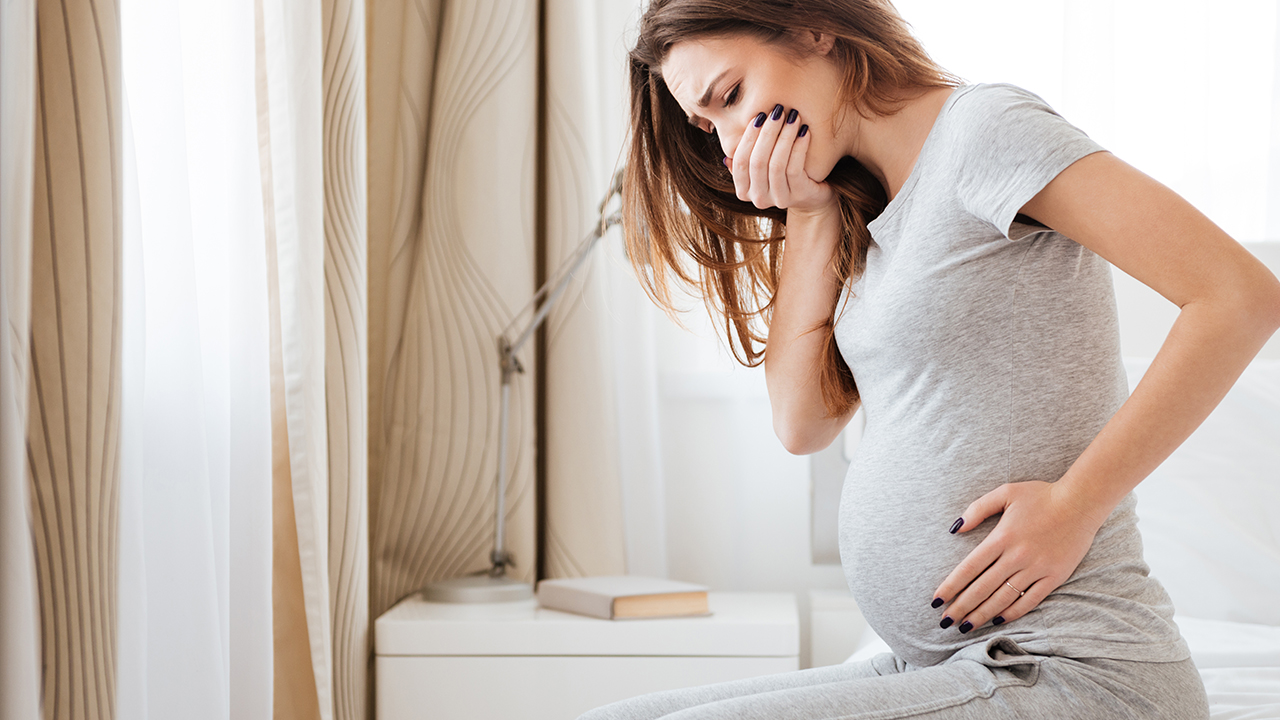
{"x": 197, "y": 426}
{"x": 243, "y": 558}
{"x": 19, "y": 618}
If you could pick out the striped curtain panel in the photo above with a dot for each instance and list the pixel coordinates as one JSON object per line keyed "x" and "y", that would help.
{"x": 73, "y": 381}
{"x": 452, "y": 163}
{"x": 457, "y": 225}
{"x": 311, "y": 141}
{"x": 346, "y": 310}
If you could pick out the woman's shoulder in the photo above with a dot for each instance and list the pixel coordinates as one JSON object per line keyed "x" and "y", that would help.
{"x": 988, "y": 95}
{"x": 990, "y": 115}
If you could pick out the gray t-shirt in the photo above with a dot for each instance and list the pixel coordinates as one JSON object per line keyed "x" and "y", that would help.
{"x": 987, "y": 351}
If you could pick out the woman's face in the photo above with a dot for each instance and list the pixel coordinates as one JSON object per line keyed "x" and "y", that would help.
{"x": 724, "y": 83}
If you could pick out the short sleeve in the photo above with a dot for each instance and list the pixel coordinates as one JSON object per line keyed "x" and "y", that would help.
{"x": 1013, "y": 145}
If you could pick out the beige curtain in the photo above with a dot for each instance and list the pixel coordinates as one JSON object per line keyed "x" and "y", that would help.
{"x": 311, "y": 144}
{"x": 453, "y": 221}
{"x": 73, "y": 380}
{"x": 346, "y": 350}
{"x": 451, "y": 169}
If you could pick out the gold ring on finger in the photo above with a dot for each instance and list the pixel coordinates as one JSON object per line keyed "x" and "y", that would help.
{"x": 1020, "y": 592}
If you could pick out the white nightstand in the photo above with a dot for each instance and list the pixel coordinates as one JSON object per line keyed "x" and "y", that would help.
{"x": 517, "y": 660}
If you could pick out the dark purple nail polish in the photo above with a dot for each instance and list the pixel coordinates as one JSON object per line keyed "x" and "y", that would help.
{"x": 760, "y": 119}
{"x": 791, "y": 116}
{"x": 937, "y": 603}
{"x": 997, "y": 620}
{"x": 957, "y": 525}
{"x": 725, "y": 160}
{"x": 946, "y": 623}
{"x": 803, "y": 130}
{"x": 777, "y": 112}
{"x": 966, "y": 626}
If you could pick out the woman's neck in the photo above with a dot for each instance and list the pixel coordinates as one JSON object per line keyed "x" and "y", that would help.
{"x": 888, "y": 146}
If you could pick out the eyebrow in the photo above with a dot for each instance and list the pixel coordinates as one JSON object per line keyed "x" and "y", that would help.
{"x": 705, "y": 100}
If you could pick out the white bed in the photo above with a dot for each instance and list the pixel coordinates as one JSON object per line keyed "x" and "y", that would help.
{"x": 1210, "y": 521}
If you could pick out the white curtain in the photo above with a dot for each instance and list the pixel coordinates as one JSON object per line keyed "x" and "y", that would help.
{"x": 243, "y": 553}
{"x": 195, "y": 517}
{"x": 19, "y": 619}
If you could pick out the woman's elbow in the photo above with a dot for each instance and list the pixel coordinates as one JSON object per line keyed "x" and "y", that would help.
{"x": 1257, "y": 301}
{"x": 801, "y": 438}
{"x": 1271, "y": 303}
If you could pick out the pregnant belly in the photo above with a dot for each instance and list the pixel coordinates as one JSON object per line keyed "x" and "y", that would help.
{"x": 896, "y": 549}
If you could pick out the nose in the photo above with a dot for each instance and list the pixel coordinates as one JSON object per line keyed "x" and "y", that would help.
{"x": 730, "y": 134}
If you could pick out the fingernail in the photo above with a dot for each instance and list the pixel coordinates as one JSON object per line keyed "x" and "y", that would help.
{"x": 777, "y": 112}
{"x": 946, "y": 623}
{"x": 760, "y": 119}
{"x": 966, "y": 626}
{"x": 937, "y": 603}
{"x": 997, "y": 620}
{"x": 791, "y": 116}
{"x": 803, "y": 129}
{"x": 957, "y": 525}
{"x": 725, "y": 160}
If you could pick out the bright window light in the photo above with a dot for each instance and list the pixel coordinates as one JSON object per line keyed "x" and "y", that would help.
{"x": 1185, "y": 90}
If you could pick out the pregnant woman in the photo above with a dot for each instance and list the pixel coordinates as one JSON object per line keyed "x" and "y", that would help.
{"x": 878, "y": 234}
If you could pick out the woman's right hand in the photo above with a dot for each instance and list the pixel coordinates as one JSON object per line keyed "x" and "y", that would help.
{"x": 773, "y": 174}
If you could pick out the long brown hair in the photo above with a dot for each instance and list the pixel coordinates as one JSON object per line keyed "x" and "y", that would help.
{"x": 679, "y": 201}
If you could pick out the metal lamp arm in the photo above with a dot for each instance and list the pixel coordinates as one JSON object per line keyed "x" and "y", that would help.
{"x": 565, "y": 274}
{"x": 510, "y": 365}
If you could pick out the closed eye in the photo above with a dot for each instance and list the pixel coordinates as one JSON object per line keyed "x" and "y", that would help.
{"x": 729, "y": 99}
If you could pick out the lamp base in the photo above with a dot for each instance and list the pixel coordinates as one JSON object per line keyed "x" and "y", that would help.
{"x": 477, "y": 589}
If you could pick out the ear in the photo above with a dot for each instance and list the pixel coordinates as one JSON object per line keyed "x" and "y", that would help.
{"x": 822, "y": 42}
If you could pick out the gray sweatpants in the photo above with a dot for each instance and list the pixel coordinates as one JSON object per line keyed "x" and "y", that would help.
{"x": 984, "y": 681}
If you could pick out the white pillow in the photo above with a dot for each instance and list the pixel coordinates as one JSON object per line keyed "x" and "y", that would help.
{"x": 1210, "y": 515}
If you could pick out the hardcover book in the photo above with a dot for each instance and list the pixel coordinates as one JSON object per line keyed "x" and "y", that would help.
{"x": 619, "y": 597}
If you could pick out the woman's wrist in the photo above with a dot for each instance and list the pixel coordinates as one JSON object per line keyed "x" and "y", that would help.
{"x": 824, "y": 213}
{"x": 1092, "y": 503}
{"x": 818, "y": 230}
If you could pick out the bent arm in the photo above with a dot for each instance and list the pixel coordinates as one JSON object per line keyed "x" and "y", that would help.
{"x": 807, "y": 292}
{"x": 1230, "y": 306}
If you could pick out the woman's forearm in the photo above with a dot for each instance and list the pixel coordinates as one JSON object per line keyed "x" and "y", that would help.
{"x": 1206, "y": 350}
{"x": 807, "y": 291}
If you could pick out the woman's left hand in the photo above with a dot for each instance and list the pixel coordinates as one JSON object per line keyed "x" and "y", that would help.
{"x": 1036, "y": 545}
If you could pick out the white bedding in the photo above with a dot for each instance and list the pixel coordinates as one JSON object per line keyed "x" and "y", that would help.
{"x": 1239, "y": 663}
{"x": 1240, "y": 666}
